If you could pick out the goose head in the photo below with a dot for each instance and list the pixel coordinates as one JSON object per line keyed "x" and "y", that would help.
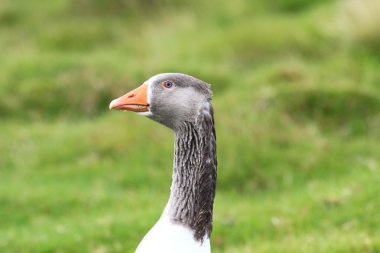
{"x": 168, "y": 98}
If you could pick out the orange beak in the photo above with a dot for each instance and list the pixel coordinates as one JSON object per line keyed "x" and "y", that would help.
{"x": 136, "y": 100}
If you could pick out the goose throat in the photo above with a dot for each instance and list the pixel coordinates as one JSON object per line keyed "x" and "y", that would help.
{"x": 194, "y": 174}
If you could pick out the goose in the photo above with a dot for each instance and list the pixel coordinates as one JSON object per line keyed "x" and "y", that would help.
{"x": 182, "y": 103}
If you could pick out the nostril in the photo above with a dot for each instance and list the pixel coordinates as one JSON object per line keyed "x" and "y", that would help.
{"x": 131, "y": 96}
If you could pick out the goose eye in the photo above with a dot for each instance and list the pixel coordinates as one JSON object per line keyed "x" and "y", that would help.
{"x": 167, "y": 84}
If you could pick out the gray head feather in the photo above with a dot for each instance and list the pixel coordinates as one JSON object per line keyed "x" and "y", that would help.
{"x": 180, "y": 103}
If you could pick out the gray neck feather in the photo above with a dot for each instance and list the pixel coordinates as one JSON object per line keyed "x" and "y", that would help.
{"x": 194, "y": 174}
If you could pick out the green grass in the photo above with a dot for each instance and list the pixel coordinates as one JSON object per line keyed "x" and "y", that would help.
{"x": 297, "y": 107}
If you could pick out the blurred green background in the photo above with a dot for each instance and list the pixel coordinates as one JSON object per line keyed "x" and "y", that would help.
{"x": 297, "y": 107}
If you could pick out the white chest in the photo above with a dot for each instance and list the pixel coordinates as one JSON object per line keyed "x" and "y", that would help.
{"x": 166, "y": 237}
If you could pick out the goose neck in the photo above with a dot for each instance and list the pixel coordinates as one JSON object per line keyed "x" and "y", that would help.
{"x": 194, "y": 175}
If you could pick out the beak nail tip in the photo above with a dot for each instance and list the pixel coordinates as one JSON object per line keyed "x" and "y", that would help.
{"x": 111, "y": 106}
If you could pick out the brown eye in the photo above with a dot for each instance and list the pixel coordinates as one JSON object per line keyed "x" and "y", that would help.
{"x": 167, "y": 84}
